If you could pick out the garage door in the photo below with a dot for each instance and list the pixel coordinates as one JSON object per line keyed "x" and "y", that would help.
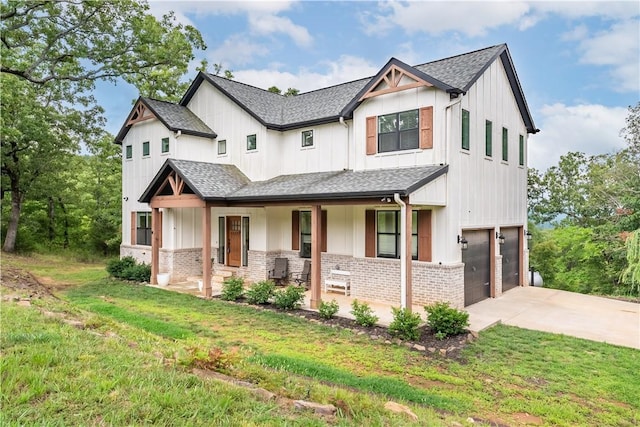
{"x": 477, "y": 266}
{"x": 510, "y": 258}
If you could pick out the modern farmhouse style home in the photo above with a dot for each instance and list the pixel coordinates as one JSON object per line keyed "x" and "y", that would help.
{"x": 414, "y": 181}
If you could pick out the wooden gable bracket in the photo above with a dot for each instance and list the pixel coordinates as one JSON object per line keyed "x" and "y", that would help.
{"x": 177, "y": 198}
{"x": 175, "y": 182}
{"x": 140, "y": 113}
{"x": 393, "y": 78}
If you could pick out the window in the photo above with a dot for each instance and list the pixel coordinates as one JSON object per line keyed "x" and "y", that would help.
{"x": 251, "y": 142}
{"x": 222, "y": 147}
{"x": 129, "y": 151}
{"x": 145, "y": 148}
{"x": 465, "y": 130}
{"x": 165, "y": 145}
{"x": 143, "y": 228}
{"x": 505, "y": 144}
{"x": 307, "y": 138}
{"x": 305, "y": 234}
{"x": 488, "y": 133}
{"x": 388, "y": 234}
{"x": 521, "y": 151}
{"x": 398, "y": 131}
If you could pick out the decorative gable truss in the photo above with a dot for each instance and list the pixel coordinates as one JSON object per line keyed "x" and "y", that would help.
{"x": 394, "y": 80}
{"x": 140, "y": 113}
{"x": 174, "y": 192}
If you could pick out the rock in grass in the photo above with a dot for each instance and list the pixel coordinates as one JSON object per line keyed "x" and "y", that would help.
{"x": 400, "y": 409}
{"x": 318, "y": 408}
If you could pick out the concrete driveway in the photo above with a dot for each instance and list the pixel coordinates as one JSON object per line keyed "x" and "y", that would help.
{"x": 561, "y": 312}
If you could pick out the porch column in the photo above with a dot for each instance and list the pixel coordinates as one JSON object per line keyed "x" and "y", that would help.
{"x": 408, "y": 257}
{"x": 155, "y": 244}
{"x": 316, "y": 254}
{"x": 206, "y": 250}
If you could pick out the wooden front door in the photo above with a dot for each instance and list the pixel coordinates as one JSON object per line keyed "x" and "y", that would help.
{"x": 234, "y": 241}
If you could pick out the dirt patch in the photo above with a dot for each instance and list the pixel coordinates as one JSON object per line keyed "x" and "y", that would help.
{"x": 527, "y": 419}
{"x": 23, "y": 284}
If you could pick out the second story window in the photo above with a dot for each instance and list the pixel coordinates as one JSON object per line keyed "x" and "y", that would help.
{"x": 488, "y": 138}
{"x": 222, "y": 147}
{"x": 307, "y": 138}
{"x": 145, "y": 149}
{"x": 465, "y": 130}
{"x": 505, "y": 144}
{"x": 128, "y": 152}
{"x": 521, "y": 151}
{"x": 251, "y": 142}
{"x": 398, "y": 131}
{"x": 165, "y": 145}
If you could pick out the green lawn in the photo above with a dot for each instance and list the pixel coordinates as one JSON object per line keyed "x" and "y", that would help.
{"x": 132, "y": 365}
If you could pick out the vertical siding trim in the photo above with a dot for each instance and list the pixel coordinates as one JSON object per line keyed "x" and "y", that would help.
{"x": 370, "y": 233}
{"x": 426, "y": 127}
{"x": 424, "y": 236}
{"x": 295, "y": 230}
{"x": 372, "y": 137}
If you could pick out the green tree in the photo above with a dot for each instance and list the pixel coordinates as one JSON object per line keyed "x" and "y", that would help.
{"x": 38, "y": 135}
{"x": 79, "y": 42}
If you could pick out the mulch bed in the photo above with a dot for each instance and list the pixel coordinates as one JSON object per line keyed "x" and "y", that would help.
{"x": 428, "y": 344}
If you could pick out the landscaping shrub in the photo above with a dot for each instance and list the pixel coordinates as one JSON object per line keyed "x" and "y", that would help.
{"x": 446, "y": 321}
{"x": 405, "y": 324}
{"x": 116, "y": 266}
{"x": 289, "y": 298}
{"x": 127, "y": 268}
{"x": 328, "y": 309}
{"x": 260, "y": 292}
{"x": 363, "y": 313}
{"x": 232, "y": 288}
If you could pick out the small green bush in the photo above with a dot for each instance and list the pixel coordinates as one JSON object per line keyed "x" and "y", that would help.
{"x": 260, "y": 292}
{"x": 289, "y": 298}
{"x": 328, "y": 309}
{"x": 405, "y": 324}
{"x": 127, "y": 268}
{"x": 232, "y": 288}
{"x": 363, "y": 313}
{"x": 446, "y": 321}
{"x": 116, "y": 266}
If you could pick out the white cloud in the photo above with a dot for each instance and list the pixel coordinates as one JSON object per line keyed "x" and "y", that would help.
{"x": 345, "y": 69}
{"x": 618, "y": 47}
{"x": 588, "y": 128}
{"x": 269, "y": 24}
{"x": 469, "y": 17}
{"x": 237, "y": 50}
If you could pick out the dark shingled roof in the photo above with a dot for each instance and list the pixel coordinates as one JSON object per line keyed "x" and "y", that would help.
{"x": 212, "y": 181}
{"x": 455, "y": 74}
{"x": 174, "y": 116}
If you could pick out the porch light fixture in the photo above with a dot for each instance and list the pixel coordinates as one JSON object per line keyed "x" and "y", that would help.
{"x": 386, "y": 199}
{"x": 500, "y": 238}
{"x": 464, "y": 244}
{"x": 527, "y": 235}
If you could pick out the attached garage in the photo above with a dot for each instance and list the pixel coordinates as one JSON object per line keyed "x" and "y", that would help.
{"x": 510, "y": 251}
{"x": 477, "y": 266}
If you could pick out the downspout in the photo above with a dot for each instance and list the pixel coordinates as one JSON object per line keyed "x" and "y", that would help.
{"x": 403, "y": 249}
{"x": 447, "y": 135}
{"x": 343, "y": 123}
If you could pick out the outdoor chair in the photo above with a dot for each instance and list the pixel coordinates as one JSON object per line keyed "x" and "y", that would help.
{"x": 280, "y": 271}
{"x": 303, "y": 277}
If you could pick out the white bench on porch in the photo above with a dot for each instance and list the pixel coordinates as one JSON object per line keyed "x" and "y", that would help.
{"x": 339, "y": 281}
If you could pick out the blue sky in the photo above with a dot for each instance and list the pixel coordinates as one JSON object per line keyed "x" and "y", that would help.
{"x": 578, "y": 62}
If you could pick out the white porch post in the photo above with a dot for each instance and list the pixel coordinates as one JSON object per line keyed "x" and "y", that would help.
{"x": 206, "y": 250}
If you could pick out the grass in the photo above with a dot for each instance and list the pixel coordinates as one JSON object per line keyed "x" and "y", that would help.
{"x": 137, "y": 370}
